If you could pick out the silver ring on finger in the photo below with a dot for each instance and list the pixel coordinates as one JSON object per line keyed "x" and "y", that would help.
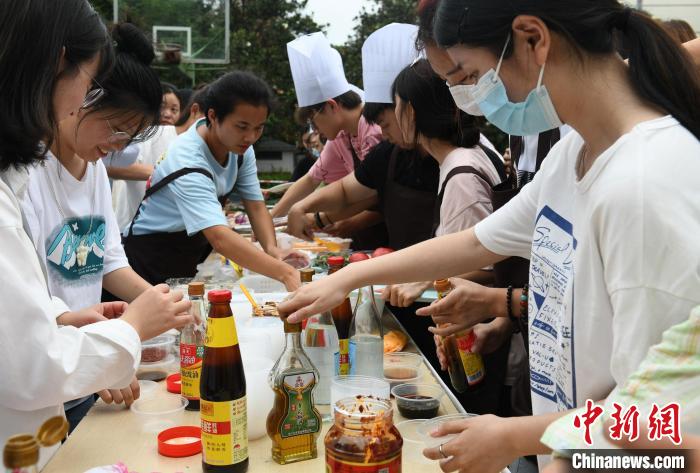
{"x": 441, "y": 452}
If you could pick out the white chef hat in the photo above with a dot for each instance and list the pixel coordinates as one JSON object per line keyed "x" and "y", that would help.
{"x": 317, "y": 70}
{"x": 387, "y": 52}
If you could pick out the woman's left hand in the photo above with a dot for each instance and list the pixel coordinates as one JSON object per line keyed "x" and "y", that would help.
{"x": 482, "y": 445}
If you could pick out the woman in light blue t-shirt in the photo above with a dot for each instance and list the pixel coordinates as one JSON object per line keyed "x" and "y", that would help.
{"x": 180, "y": 219}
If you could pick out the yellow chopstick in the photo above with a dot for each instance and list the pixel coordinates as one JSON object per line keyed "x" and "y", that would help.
{"x": 248, "y": 296}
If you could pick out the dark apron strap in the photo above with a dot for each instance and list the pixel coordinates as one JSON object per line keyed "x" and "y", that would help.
{"x": 161, "y": 184}
{"x": 441, "y": 194}
{"x": 495, "y": 161}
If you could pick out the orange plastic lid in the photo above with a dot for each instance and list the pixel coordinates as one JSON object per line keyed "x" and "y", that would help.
{"x": 183, "y": 441}
{"x": 173, "y": 383}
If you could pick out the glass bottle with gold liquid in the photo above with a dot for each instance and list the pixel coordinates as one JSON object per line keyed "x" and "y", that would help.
{"x": 293, "y": 424}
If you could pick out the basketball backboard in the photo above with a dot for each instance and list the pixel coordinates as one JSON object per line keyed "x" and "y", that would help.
{"x": 200, "y": 28}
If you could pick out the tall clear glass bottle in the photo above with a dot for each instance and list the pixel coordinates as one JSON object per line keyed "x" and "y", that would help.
{"x": 192, "y": 347}
{"x": 366, "y": 336}
{"x": 293, "y": 424}
{"x": 320, "y": 342}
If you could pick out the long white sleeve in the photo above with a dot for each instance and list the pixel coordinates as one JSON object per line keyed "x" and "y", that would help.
{"x": 42, "y": 365}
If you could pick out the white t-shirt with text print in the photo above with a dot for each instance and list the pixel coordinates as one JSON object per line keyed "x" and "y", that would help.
{"x": 615, "y": 258}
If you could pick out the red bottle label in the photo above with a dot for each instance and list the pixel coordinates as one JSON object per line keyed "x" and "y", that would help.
{"x": 190, "y": 370}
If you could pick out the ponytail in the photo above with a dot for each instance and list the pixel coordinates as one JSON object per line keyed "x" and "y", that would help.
{"x": 662, "y": 72}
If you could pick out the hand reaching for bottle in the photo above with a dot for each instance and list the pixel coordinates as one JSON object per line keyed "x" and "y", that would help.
{"x": 489, "y": 337}
{"x": 467, "y": 305}
{"x": 314, "y": 298}
{"x": 158, "y": 310}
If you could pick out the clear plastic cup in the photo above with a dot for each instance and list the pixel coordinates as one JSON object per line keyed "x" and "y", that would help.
{"x": 354, "y": 385}
{"x": 413, "y": 442}
{"x": 432, "y": 425}
{"x": 160, "y": 413}
{"x": 402, "y": 367}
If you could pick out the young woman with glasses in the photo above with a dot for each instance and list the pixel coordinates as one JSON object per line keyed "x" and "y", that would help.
{"x": 68, "y": 202}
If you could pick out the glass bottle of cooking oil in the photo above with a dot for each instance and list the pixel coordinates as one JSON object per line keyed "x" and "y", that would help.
{"x": 293, "y": 424}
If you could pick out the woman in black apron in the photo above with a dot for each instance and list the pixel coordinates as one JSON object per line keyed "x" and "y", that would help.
{"x": 180, "y": 219}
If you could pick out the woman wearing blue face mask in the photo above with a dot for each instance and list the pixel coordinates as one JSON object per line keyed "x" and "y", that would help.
{"x": 610, "y": 223}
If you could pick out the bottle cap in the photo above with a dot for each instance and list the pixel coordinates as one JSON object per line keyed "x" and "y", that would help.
{"x": 221, "y": 295}
{"x": 307, "y": 274}
{"x": 174, "y": 383}
{"x": 52, "y": 431}
{"x": 442, "y": 285}
{"x": 291, "y": 328}
{"x": 178, "y": 442}
{"x": 336, "y": 261}
{"x": 195, "y": 289}
{"x": 21, "y": 451}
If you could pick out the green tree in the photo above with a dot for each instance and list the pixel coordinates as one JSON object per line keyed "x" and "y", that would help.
{"x": 259, "y": 33}
{"x": 368, "y": 21}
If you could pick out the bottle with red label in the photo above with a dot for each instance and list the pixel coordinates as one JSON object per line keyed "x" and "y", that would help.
{"x": 223, "y": 392}
{"x": 192, "y": 347}
{"x": 364, "y": 438}
{"x": 466, "y": 369}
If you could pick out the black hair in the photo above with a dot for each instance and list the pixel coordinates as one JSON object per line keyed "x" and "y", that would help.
{"x": 660, "y": 71}
{"x": 198, "y": 97}
{"x": 426, "y": 16}
{"x": 169, "y": 88}
{"x": 350, "y": 100}
{"x": 680, "y": 30}
{"x": 183, "y": 96}
{"x": 371, "y": 111}
{"x": 132, "y": 89}
{"x": 234, "y": 88}
{"x": 32, "y": 37}
{"x": 436, "y": 114}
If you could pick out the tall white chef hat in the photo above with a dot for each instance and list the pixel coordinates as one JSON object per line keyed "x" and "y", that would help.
{"x": 317, "y": 70}
{"x": 387, "y": 52}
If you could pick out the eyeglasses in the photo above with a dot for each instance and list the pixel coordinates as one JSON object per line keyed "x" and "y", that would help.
{"x": 95, "y": 93}
{"x": 118, "y": 137}
{"x": 312, "y": 123}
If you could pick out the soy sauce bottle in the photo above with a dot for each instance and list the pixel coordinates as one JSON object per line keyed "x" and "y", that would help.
{"x": 342, "y": 317}
{"x": 223, "y": 392}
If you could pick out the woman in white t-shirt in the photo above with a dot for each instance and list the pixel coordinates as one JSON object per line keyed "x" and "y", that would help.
{"x": 610, "y": 223}
{"x": 68, "y": 204}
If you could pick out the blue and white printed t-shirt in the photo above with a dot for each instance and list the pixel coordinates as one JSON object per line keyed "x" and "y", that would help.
{"x": 78, "y": 237}
{"x": 615, "y": 258}
{"x": 191, "y": 202}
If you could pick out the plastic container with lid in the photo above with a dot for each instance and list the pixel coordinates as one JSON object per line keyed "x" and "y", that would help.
{"x": 363, "y": 437}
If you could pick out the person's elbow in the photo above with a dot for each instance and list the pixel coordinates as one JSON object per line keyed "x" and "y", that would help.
{"x": 217, "y": 236}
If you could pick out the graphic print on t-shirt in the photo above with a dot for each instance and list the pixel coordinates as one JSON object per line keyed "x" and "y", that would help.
{"x": 551, "y": 332}
{"x": 75, "y": 249}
